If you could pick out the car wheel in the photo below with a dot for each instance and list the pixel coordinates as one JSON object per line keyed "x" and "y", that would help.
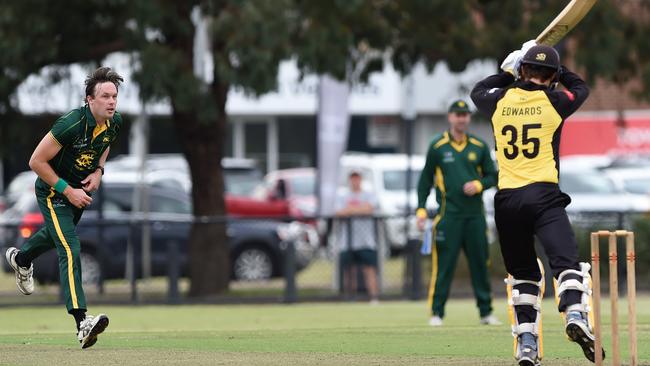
{"x": 253, "y": 263}
{"x": 91, "y": 269}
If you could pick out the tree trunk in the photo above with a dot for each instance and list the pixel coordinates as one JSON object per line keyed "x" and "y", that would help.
{"x": 209, "y": 263}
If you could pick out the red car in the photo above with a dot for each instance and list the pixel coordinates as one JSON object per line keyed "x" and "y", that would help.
{"x": 289, "y": 193}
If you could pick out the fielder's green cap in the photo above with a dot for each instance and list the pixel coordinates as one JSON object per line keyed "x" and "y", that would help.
{"x": 459, "y": 106}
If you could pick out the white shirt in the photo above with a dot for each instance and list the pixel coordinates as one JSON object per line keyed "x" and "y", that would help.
{"x": 362, "y": 229}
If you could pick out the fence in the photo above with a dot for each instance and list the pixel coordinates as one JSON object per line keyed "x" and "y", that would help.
{"x": 271, "y": 260}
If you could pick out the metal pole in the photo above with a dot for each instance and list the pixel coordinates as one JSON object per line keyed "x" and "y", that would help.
{"x": 379, "y": 245}
{"x": 290, "y": 295}
{"x": 130, "y": 263}
{"x": 173, "y": 272}
{"x": 416, "y": 271}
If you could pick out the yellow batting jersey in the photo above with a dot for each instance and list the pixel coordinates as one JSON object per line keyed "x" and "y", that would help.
{"x": 526, "y": 131}
{"x": 527, "y": 121}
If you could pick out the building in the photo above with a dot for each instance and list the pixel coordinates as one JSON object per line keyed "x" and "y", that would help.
{"x": 266, "y": 128}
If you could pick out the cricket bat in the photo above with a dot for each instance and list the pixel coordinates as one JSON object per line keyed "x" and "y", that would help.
{"x": 571, "y": 15}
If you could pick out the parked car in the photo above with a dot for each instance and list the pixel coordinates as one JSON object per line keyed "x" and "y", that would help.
{"x": 21, "y": 182}
{"x": 295, "y": 188}
{"x": 632, "y": 180}
{"x": 255, "y": 246}
{"x": 596, "y": 200}
{"x": 593, "y": 191}
{"x": 242, "y": 179}
{"x": 241, "y": 176}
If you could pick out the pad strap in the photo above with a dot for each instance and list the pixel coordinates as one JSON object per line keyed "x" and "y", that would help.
{"x": 512, "y": 281}
{"x": 583, "y": 308}
{"x": 524, "y": 299}
{"x": 573, "y": 284}
{"x": 525, "y": 328}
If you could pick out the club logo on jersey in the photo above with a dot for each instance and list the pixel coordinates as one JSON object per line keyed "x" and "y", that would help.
{"x": 85, "y": 160}
{"x": 448, "y": 157}
{"x": 540, "y": 57}
{"x": 471, "y": 156}
{"x": 106, "y": 139}
{"x": 80, "y": 143}
{"x": 461, "y": 104}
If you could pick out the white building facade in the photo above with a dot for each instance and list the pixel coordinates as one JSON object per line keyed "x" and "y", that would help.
{"x": 279, "y": 128}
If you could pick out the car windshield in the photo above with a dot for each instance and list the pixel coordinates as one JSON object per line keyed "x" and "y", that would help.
{"x": 637, "y": 185}
{"x": 241, "y": 182}
{"x": 586, "y": 182}
{"x": 23, "y": 182}
{"x": 395, "y": 180}
{"x": 304, "y": 185}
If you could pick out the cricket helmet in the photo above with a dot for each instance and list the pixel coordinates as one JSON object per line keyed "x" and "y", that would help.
{"x": 542, "y": 55}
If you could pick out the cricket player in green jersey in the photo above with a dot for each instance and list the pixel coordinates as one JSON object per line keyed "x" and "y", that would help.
{"x": 69, "y": 162}
{"x": 461, "y": 167}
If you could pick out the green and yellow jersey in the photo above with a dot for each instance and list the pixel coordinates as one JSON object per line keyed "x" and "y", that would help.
{"x": 527, "y": 121}
{"x": 449, "y": 165}
{"x": 82, "y": 143}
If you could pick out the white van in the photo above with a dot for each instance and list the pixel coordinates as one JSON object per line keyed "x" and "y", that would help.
{"x": 385, "y": 175}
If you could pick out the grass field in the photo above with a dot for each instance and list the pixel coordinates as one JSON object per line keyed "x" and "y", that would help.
{"x": 392, "y": 333}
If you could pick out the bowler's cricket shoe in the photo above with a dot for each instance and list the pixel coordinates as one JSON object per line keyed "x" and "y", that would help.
{"x": 24, "y": 276}
{"x": 578, "y": 331}
{"x": 490, "y": 319}
{"x": 90, "y": 328}
{"x": 527, "y": 353}
{"x": 435, "y": 321}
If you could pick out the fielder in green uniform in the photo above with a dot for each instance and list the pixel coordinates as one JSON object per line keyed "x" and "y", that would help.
{"x": 461, "y": 167}
{"x": 69, "y": 162}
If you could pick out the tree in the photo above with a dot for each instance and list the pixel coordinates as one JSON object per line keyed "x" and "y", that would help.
{"x": 248, "y": 42}
{"x": 345, "y": 38}
{"x": 609, "y": 43}
{"x": 34, "y": 34}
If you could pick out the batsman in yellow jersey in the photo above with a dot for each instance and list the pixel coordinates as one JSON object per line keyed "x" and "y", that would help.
{"x": 527, "y": 115}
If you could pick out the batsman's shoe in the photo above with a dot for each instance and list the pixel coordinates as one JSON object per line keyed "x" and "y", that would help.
{"x": 24, "y": 276}
{"x": 490, "y": 320}
{"x": 90, "y": 328}
{"x": 527, "y": 353}
{"x": 578, "y": 331}
{"x": 435, "y": 321}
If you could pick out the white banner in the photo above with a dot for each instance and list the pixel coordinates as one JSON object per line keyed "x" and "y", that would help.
{"x": 333, "y": 124}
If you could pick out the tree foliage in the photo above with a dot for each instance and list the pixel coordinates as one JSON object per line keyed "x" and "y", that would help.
{"x": 249, "y": 39}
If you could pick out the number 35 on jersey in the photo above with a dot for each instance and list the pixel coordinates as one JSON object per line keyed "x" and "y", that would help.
{"x": 526, "y": 129}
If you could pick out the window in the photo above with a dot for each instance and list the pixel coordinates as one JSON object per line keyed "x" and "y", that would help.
{"x": 586, "y": 182}
{"x": 303, "y": 185}
{"x": 166, "y": 204}
{"x": 637, "y": 185}
{"x": 395, "y": 180}
{"x": 241, "y": 182}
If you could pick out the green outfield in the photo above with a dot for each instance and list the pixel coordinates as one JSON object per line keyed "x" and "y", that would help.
{"x": 391, "y": 333}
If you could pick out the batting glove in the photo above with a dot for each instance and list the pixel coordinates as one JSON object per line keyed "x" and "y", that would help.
{"x": 527, "y": 45}
{"x": 511, "y": 63}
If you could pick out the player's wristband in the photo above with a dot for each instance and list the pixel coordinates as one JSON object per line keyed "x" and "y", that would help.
{"x": 478, "y": 185}
{"x": 421, "y": 213}
{"x": 100, "y": 168}
{"x": 60, "y": 185}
